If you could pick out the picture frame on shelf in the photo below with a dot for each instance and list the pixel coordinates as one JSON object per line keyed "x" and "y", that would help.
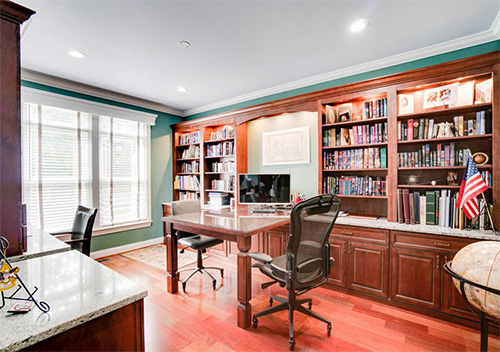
{"x": 465, "y": 94}
{"x": 483, "y": 91}
{"x": 344, "y": 112}
{"x": 331, "y": 114}
{"x": 405, "y": 104}
{"x": 441, "y": 96}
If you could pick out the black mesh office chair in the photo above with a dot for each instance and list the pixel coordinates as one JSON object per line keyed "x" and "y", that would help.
{"x": 81, "y": 233}
{"x": 306, "y": 264}
{"x": 197, "y": 242}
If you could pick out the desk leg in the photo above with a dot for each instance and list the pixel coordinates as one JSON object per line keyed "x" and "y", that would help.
{"x": 244, "y": 283}
{"x": 171, "y": 242}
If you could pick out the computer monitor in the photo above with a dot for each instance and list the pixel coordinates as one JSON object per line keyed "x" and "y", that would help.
{"x": 264, "y": 188}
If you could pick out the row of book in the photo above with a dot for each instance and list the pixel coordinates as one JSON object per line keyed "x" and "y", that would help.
{"x": 191, "y": 168}
{"x": 192, "y": 152}
{"x": 367, "y": 158}
{"x": 225, "y": 166}
{"x": 487, "y": 177}
{"x": 355, "y": 185}
{"x": 425, "y": 128}
{"x": 189, "y": 138}
{"x": 187, "y": 182}
{"x": 438, "y": 207}
{"x": 374, "y": 108}
{"x": 444, "y": 155}
{"x": 362, "y": 134}
{"x": 223, "y": 185}
{"x": 188, "y": 195}
{"x": 225, "y": 133}
{"x": 221, "y": 149}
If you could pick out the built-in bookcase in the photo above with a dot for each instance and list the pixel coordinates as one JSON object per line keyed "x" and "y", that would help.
{"x": 187, "y": 164}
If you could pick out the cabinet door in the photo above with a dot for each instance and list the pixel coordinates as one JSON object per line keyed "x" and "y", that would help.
{"x": 452, "y": 301}
{"x": 276, "y": 243}
{"x": 368, "y": 268}
{"x": 338, "y": 251}
{"x": 415, "y": 277}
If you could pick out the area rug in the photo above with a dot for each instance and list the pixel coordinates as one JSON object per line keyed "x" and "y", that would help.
{"x": 157, "y": 256}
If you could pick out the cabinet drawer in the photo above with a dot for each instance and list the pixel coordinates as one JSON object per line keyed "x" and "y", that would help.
{"x": 362, "y": 233}
{"x": 412, "y": 240}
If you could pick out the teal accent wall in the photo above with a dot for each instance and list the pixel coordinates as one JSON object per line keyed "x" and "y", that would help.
{"x": 161, "y": 170}
{"x": 386, "y": 71}
{"x": 304, "y": 177}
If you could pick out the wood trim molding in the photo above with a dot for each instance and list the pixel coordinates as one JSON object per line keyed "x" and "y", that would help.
{"x": 308, "y": 101}
{"x": 13, "y": 12}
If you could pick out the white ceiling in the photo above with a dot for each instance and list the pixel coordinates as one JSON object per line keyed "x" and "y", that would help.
{"x": 240, "y": 49}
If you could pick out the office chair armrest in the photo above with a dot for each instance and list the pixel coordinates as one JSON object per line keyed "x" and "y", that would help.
{"x": 310, "y": 265}
{"x": 261, "y": 257}
{"x": 76, "y": 240}
{"x": 61, "y": 233}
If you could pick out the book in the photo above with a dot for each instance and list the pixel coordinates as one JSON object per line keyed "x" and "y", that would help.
{"x": 406, "y": 205}
{"x": 400, "y": 206}
{"x": 410, "y": 129}
{"x": 416, "y": 202}
{"x": 423, "y": 212}
{"x": 412, "y": 209}
{"x": 430, "y": 213}
{"x": 421, "y": 127}
{"x": 383, "y": 158}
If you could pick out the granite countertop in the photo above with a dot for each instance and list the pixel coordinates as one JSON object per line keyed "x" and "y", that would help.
{"x": 41, "y": 243}
{"x": 76, "y": 287}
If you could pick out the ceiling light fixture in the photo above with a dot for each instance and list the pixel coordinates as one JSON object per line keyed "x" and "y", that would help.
{"x": 76, "y": 54}
{"x": 358, "y": 25}
{"x": 181, "y": 89}
{"x": 185, "y": 44}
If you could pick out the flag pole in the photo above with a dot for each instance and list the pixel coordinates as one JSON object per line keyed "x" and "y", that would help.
{"x": 489, "y": 214}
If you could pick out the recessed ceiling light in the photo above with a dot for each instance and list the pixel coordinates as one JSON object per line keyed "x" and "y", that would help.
{"x": 181, "y": 89}
{"x": 358, "y": 25}
{"x": 76, "y": 54}
{"x": 185, "y": 44}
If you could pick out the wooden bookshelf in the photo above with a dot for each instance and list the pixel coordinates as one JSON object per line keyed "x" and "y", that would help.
{"x": 186, "y": 142}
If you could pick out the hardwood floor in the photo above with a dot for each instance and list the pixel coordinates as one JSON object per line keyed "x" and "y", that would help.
{"x": 205, "y": 320}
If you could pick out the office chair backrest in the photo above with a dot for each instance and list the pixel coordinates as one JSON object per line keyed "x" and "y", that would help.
{"x": 186, "y": 206}
{"x": 82, "y": 228}
{"x": 308, "y": 249}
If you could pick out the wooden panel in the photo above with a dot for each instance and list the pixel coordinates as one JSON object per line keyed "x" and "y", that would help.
{"x": 442, "y": 243}
{"x": 276, "y": 243}
{"x": 362, "y": 233}
{"x": 338, "y": 251}
{"x": 496, "y": 142}
{"x": 415, "y": 277}
{"x": 121, "y": 330}
{"x": 368, "y": 268}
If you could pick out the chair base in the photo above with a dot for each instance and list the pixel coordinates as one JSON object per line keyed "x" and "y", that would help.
{"x": 199, "y": 269}
{"x": 292, "y": 304}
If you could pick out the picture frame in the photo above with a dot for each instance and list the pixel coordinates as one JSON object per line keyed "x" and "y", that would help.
{"x": 344, "y": 112}
{"x": 405, "y": 104}
{"x": 441, "y": 96}
{"x": 286, "y": 147}
{"x": 331, "y": 114}
{"x": 483, "y": 91}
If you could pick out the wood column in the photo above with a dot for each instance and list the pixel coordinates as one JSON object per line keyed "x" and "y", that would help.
{"x": 244, "y": 283}
{"x": 392, "y": 155}
{"x": 171, "y": 242}
{"x": 12, "y": 16}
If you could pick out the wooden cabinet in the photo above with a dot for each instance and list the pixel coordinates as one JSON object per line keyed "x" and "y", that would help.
{"x": 275, "y": 243}
{"x": 338, "y": 251}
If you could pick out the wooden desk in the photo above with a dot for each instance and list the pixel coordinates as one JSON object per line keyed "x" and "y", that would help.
{"x": 233, "y": 225}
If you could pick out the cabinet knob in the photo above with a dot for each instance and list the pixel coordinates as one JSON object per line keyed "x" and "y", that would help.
{"x": 349, "y": 247}
{"x": 439, "y": 244}
{"x": 437, "y": 261}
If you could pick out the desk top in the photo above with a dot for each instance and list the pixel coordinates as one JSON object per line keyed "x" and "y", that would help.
{"x": 77, "y": 289}
{"x": 237, "y": 221}
{"x": 41, "y": 243}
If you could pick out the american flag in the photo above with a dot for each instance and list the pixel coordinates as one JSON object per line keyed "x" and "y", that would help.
{"x": 472, "y": 185}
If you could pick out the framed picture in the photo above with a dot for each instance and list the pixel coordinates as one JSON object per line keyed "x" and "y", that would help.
{"x": 286, "y": 147}
{"x": 331, "y": 114}
{"x": 483, "y": 91}
{"x": 344, "y": 112}
{"x": 465, "y": 94}
{"x": 441, "y": 96}
{"x": 405, "y": 103}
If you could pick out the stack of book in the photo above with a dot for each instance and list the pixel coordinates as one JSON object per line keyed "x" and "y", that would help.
{"x": 444, "y": 155}
{"x": 225, "y": 166}
{"x": 187, "y": 182}
{"x": 221, "y": 149}
{"x": 362, "y": 134}
{"x": 374, "y": 108}
{"x": 368, "y": 158}
{"x": 439, "y": 208}
{"x": 218, "y": 200}
{"x": 223, "y": 185}
{"x": 189, "y": 138}
{"x": 192, "y": 152}
{"x": 226, "y": 132}
{"x": 355, "y": 185}
{"x": 190, "y": 168}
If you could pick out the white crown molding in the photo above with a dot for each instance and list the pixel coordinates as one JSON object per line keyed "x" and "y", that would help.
{"x": 126, "y": 248}
{"x": 452, "y": 45}
{"x": 61, "y": 83}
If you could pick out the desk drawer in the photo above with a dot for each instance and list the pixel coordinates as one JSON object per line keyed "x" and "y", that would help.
{"x": 409, "y": 239}
{"x": 362, "y": 233}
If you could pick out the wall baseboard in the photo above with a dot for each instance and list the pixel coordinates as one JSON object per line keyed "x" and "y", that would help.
{"x": 128, "y": 247}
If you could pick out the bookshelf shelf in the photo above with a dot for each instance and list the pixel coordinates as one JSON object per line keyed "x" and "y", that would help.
{"x": 353, "y": 123}
{"x": 447, "y": 111}
{"x": 186, "y": 145}
{"x": 432, "y": 187}
{"x": 219, "y": 156}
{"x": 187, "y": 190}
{"x": 361, "y": 197}
{"x": 189, "y": 159}
{"x": 218, "y": 190}
{"x": 219, "y": 140}
{"x": 356, "y": 146}
{"x": 187, "y": 173}
{"x": 356, "y": 170}
{"x": 437, "y": 140}
{"x": 219, "y": 173}
{"x": 442, "y": 168}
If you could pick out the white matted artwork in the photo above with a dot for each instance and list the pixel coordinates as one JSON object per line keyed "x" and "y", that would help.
{"x": 286, "y": 147}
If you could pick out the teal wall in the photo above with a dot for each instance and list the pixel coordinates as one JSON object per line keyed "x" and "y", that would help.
{"x": 161, "y": 170}
{"x": 303, "y": 176}
{"x": 412, "y": 65}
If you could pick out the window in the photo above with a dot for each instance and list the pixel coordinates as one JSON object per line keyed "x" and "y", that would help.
{"x": 71, "y": 157}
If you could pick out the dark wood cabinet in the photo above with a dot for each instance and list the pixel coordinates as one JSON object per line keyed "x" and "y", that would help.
{"x": 338, "y": 251}
{"x": 275, "y": 243}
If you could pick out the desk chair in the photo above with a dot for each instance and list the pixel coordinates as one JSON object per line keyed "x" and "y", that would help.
{"x": 306, "y": 264}
{"x": 197, "y": 242}
{"x": 81, "y": 233}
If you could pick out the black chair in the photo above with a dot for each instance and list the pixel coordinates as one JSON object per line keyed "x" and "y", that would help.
{"x": 81, "y": 234}
{"x": 197, "y": 242}
{"x": 306, "y": 264}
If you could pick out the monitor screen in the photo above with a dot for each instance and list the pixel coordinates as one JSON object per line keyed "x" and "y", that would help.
{"x": 264, "y": 188}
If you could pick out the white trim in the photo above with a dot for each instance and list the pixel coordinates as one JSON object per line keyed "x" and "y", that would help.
{"x": 125, "y": 248}
{"x": 61, "y": 83}
{"x": 452, "y": 45}
{"x": 121, "y": 228}
{"x": 36, "y": 96}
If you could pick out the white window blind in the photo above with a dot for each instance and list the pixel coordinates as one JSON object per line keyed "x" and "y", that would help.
{"x": 72, "y": 158}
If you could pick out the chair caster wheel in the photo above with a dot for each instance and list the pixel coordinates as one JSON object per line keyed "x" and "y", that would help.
{"x": 214, "y": 284}
{"x": 270, "y": 302}
{"x": 329, "y": 329}
{"x": 255, "y": 322}
{"x": 184, "y": 287}
{"x": 178, "y": 276}
{"x": 310, "y": 305}
{"x": 222, "y": 273}
{"x": 292, "y": 344}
